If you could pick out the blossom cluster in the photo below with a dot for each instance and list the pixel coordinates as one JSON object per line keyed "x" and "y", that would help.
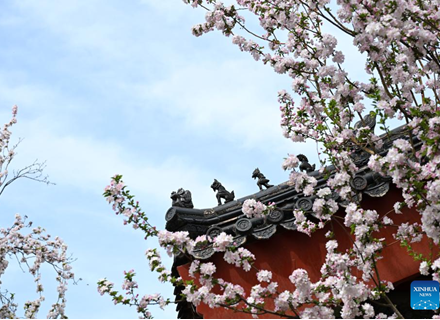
{"x": 6, "y": 151}
{"x": 323, "y": 208}
{"x": 122, "y": 202}
{"x": 252, "y": 208}
{"x": 155, "y": 262}
{"x": 33, "y": 251}
{"x": 131, "y": 298}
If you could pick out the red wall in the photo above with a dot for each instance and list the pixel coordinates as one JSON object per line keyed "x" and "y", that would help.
{"x": 288, "y": 250}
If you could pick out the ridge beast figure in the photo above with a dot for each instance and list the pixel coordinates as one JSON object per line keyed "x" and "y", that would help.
{"x": 222, "y": 193}
{"x": 262, "y": 180}
{"x": 305, "y": 165}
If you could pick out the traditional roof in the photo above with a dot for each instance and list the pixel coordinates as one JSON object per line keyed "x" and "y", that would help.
{"x": 229, "y": 217}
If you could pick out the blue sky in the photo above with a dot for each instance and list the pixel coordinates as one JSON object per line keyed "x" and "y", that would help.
{"x": 107, "y": 87}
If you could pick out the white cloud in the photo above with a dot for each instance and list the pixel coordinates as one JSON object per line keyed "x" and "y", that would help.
{"x": 106, "y": 31}
{"x": 88, "y": 164}
{"x": 235, "y": 99}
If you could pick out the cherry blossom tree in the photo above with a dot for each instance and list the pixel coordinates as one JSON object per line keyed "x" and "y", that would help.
{"x": 33, "y": 171}
{"x": 30, "y": 246}
{"x": 400, "y": 42}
